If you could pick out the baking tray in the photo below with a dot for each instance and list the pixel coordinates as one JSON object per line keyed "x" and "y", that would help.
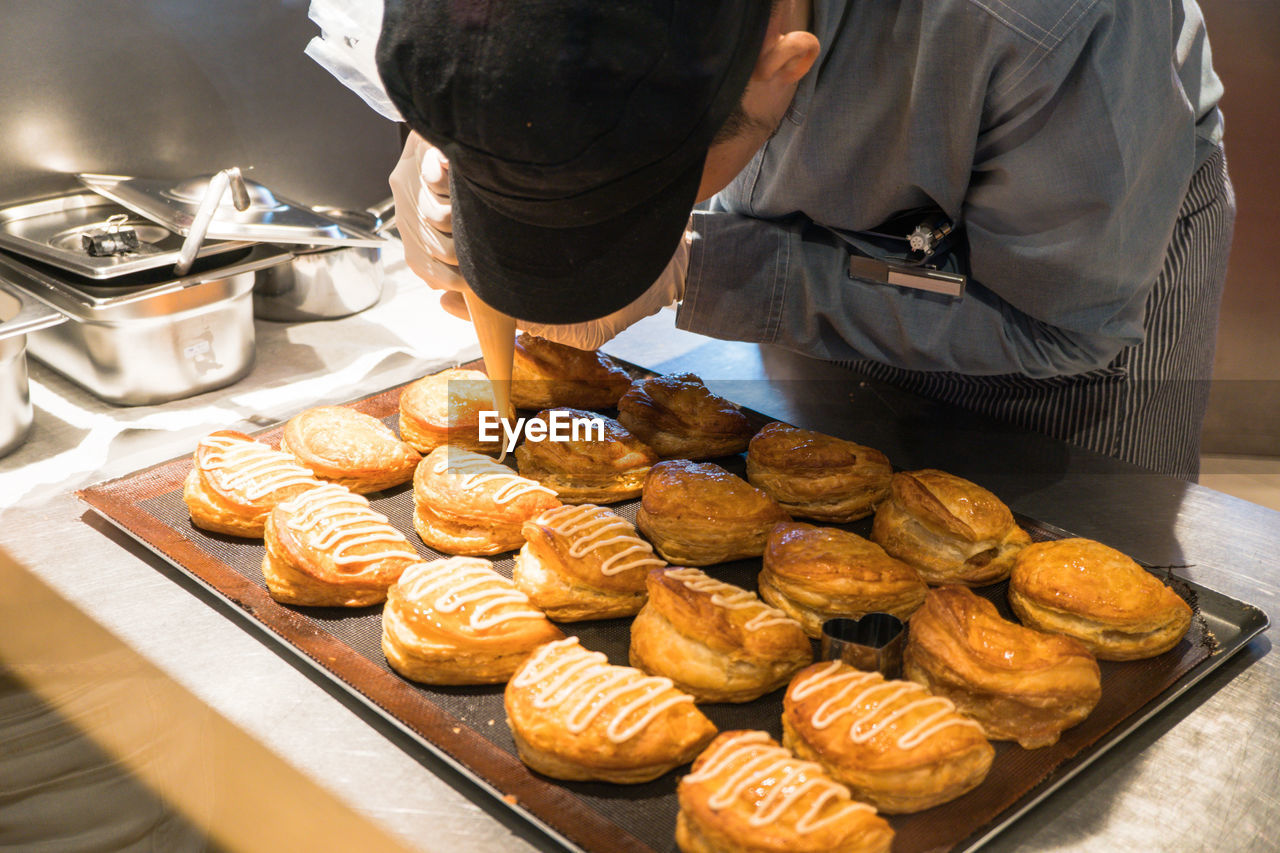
{"x": 466, "y": 726}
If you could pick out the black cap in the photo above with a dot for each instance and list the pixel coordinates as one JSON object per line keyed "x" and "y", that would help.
{"x": 576, "y": 132}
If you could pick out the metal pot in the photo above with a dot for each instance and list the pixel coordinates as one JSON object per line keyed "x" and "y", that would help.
{"x": 19, "y": 315}
{"x": 325, "y": 282}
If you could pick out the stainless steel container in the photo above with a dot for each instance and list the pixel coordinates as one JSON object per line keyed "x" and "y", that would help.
{"x": 139, "y": 344}
{"x": 320, "y": 284}
{"x": 20, "y": 315}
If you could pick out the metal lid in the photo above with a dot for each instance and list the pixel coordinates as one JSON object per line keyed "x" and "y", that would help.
{"x": 269, "y": 217}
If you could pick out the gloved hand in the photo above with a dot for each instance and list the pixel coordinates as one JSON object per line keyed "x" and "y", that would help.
{"x": 420, "y": 186}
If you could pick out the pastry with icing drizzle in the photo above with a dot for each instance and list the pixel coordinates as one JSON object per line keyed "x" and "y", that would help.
{"x": 603, "y": 464}
{"x": 341, "y": 445}
{"x": 236, "y": 481}
{"x": 470, "y": 505}
{"x": 575, "y": 716}
{"x": 444, "y": 409}
{"x": 892, "y": 742}
{"x": 716, "y": 641}
{"x": 1019, "y": 683}
{"x": 747, "y": 794}
{"x": 584, "y": 562}
{"x": 457, "y": 621}
{"x": 818, "y": 476}
{"x": 546, "y": 374}
{"x": 680, "y": 419}
{"x": 328, "y": 548}
{"x": 697, "y": 513}
{"x": 819, "y": 573}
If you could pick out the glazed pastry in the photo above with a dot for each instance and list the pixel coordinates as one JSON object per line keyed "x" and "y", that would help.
{"x": 895, "y": 746}
{"x": 468, "y": 504}
{"x": 818, "y": 573}
{"x": 697, "y": 513}
{"x": 236, "y": 482}
{"x": 714, "y": 640}
{"x": 584, "y": 562}
{"x": 446, "y": 408}
{"x": 680, "y": 419}
{"x": 328, "y": 548}
{"x": 1019, "y": 683}
{"x": 817, "y": 476}
{"x": 350, "y": 448}
{"x": 596, "y": 464}
{"x": 747, "y": 794}
{"x": 949, "y": 529}
{"x": 576, "y": 717}
{"x": 457, "y": 621}
{"x": 1098, "y": 595}
{"x": 547, "y": 375}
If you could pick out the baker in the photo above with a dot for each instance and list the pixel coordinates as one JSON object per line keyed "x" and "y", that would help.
{"x": 1021, "y": 208}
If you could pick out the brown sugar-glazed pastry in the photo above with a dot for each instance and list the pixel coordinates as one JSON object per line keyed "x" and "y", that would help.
{"x": 445, "y": 408}
{"x": 350, "y": 448}
{"x": 547, "y": 375}
{"x": 470, "y": 505}
{"x": 457, "y": 621}
{"x": 1098, "y": 595}
{"x": 697, "y": 513}
{"x": 949, "y": 529}
{"x": 747, "y": 794}
{"x": 714, "y": 640}
{"x": 818, "y": 573}
{"x": 328, "y": 548}
{"x": 576, "y": 717}
{"x": 895, "y": 745}
{"x": 817, "y": 476}
{"x": 584, "y": 562}
{"x": 680, "y": 419}
{"x": 1019, "y": 683}
{"x": 236, "y": 481}
{"x": 587, "y": 463}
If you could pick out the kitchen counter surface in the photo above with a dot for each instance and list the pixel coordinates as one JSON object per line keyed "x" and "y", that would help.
{"x": 1204, "y": 773}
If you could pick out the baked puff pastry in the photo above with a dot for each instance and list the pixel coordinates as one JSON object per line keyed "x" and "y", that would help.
{"x": 747, "y": 794}
{"x": 715, "y": 641}
{"x": 812, "y": 475}
{"x": 446, "y": 408}
{"x": 595, "y": 460}
{"x": 893, "y": 743}
{"x": 547, "y": 375}
{"x": 328, "y": 548}
{"x": 584, "y": 562}
{"x": 343, "y": 446}
{"x": 236, "y": 482}
{"x": 818, "y": 573}
{"x": 949, "y": 529}
{"x": 576, "y": 717}
{"x": 1098, "y": 595}
{"x": 680, "y": 419}
{"x": 457, "y": 621}
{"x": 1019, "y": 683}
{"x": 467, "y": 504}
{"x": 697, "y": 513}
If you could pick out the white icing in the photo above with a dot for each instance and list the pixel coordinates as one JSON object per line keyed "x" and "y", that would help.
{"x": 732, "y": 598}
{"x": 252, "y": 468}
{"x": 600, "y": 528}
{"x": 339, "y": 521}
{"x": 567, "y": 674}
{"x": 870, "y": 706}
{"x": 447, "y": 586}
{"x": 751, "y": 761}
{"x": 476, "y": 470}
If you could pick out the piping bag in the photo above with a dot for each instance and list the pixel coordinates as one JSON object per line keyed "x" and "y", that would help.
{"x": 497, "y": 334}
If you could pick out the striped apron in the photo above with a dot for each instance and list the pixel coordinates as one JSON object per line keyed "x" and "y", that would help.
{"x": 1148, "y": 405}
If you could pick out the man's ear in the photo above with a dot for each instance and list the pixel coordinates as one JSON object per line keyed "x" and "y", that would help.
{"x": 786, "y": 57}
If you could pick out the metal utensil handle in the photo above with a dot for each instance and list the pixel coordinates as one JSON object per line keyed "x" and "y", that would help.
{"x": 204, "y": 214}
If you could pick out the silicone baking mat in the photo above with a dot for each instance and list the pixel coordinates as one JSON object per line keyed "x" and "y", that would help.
{"x": 466, "y": 726}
